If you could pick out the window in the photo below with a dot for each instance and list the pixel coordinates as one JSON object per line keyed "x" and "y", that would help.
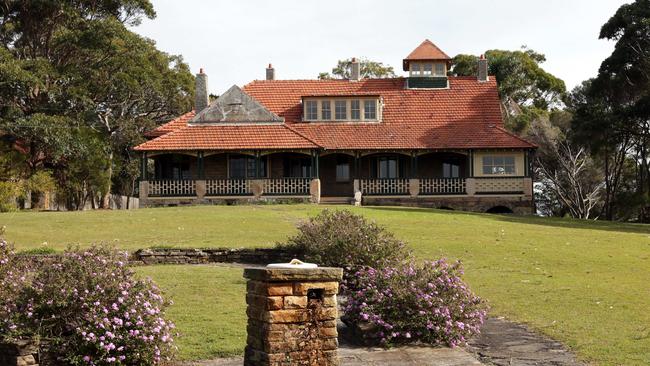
{"x": 297, "y": 167}
{"x": 369, "y": 109}
{"x": 325, "y": 110}
{"x": 341, "y": 109}
{"x": 242, "y": 167}
{"x": 450, "y": 170}
{"x": 440, "y": 69}
{"x": 496, "y": 165}
{"x": 387, "y": 167}
{"x": 311, "y": 110}
{"x": 428, "y": 69}
{"x": 355, "y": 109}
{"x": 415, "y": 69}
{"x": 342, "y": 172}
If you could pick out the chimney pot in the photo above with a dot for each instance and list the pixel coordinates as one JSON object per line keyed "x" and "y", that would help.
{"x": 270, "y": 72}
{"x": 201, "y": 96}
{"x": 355, "y": 74}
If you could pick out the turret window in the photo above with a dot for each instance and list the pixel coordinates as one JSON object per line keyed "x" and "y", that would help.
{"x": 440, "y": 69}
{"x": 428, "y": 69}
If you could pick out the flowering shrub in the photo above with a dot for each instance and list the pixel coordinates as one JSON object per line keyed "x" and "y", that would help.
{"x": 427, "y": 303}
{"x": 343, "y": 239}
{"x": 90, "y": 308}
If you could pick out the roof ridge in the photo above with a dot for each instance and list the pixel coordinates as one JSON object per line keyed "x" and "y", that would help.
{"x": 301, "y": 135}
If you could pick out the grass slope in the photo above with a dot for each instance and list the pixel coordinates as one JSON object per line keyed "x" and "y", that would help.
{"x": 584, "y": 283}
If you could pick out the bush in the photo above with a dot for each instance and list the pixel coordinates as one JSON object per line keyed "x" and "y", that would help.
{"x": 343, "y": 239}
{"x": 9, "y": 191}
{"x": 89, "y": 307}
{"x": 427, "y": 303}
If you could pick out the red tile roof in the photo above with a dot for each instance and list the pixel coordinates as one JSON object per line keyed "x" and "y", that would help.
{"x": 229, "y": 137}
{"x": 467, "y": 115}
{"x": 427, "y": 51}
{"x": 175, "y": 124}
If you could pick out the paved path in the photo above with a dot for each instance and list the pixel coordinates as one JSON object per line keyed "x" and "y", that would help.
{"x": 505, "y": 343}
{"x": 401, "y": 356}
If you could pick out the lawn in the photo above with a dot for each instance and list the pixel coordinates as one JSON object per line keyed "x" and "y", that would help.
{"x": 584, "y": 283}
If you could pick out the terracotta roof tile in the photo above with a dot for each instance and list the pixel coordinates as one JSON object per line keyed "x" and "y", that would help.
{"x": 467, "y": 115}
{"x": 172, "y": 125}
{"x": 427, "y": 51}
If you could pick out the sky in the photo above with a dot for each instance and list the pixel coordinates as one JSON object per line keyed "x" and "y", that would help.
{"x": 234, "y": 41}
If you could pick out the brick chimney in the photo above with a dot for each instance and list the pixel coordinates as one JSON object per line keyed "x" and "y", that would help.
{"x": 201, "y": 96}
{"x": 270, "y": 73}
{"x": 482, "y": 69}
{"x": 355, "y": 73}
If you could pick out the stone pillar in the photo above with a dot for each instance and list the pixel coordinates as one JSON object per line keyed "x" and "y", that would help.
{"x": 201, "y": 188}
{"x": 528, "y": 187}
{"x": 470, "y": 186}
{"x": 292, "y": 316}
{"x": 144, "y": 192}
{"x": 257, "y": 188}
{"x": 414, "y": 187}
{"x": 314, "y": 190}
{"x": 357, "y": 192}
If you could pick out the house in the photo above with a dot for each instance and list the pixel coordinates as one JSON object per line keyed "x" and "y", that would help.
{"x": 427, "y": 139}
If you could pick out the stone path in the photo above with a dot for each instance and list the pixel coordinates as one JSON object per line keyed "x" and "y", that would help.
{"x": 505, "y": 343}
{"x": 402, "y": 356}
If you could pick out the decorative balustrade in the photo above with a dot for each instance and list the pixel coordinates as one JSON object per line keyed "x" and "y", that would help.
{"x": 286, "y": 186}
{"x": 227, "y": 187}
{"x": 391, "y": 186}
{"x": 502, "y": 185}
{"x": 434, "y": 186}
{"x": 172, "y": 188}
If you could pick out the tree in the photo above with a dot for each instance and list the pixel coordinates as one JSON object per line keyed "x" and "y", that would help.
{"x": 367, "y": 68}
{"x": 524, "y": 87}
{"x": 71, "y": 69}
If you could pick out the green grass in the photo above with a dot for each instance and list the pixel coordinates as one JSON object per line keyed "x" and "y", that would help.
{"x": 209, "y": 308}
{"x": 584, "y": 283}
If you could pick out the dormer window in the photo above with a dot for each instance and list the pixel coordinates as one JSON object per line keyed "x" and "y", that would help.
{"x": 441, "y": 69}
{"x": 346, "y": 109}
{"x": 311, "y": 109}
{"x": 325, "y": 110}
{"x": 428, "y": 69}
{"x": 341, "y": 110}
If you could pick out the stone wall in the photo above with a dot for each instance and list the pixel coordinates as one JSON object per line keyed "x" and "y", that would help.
{"x": 522, "y": 205}
{"x": 211, "y": 255}
{"x": 19, "y": 353}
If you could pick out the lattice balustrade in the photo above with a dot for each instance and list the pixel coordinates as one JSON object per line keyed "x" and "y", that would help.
{"x": 227, "y": 187}
{"x": 499, "y": 185}
{"x": 384, "y": 186}
{"x": 433, "y": 186}
{"x": 286, "y": 186}
{"x": 172, "y": 188}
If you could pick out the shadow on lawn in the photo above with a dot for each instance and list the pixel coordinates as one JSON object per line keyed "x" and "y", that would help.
{"x": 536, "y": 220}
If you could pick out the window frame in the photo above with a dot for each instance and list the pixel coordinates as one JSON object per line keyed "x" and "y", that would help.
{"x": 344, "y": 105}
{"x": 491, "y": 164}
{"x": 372, "y": 102}
{"x": 249, "y": 163}
{"x": 443, "y": 69}
{"x": 353, "y": 109}
{"x": 314, "y": 104}
{"x": 328, "y": 103}
{"x": 386, "y": 160}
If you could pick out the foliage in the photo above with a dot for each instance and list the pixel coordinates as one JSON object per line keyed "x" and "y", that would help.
{"x": 73, "y": 73}
{"x": 342, "y": 239}
{"x": 90, "y": 308}
{"x": 427, "y": 303}
{"x": 9, "y": 191}
{"x": 368, "y": 70}
{"x": 525, "y": 88}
